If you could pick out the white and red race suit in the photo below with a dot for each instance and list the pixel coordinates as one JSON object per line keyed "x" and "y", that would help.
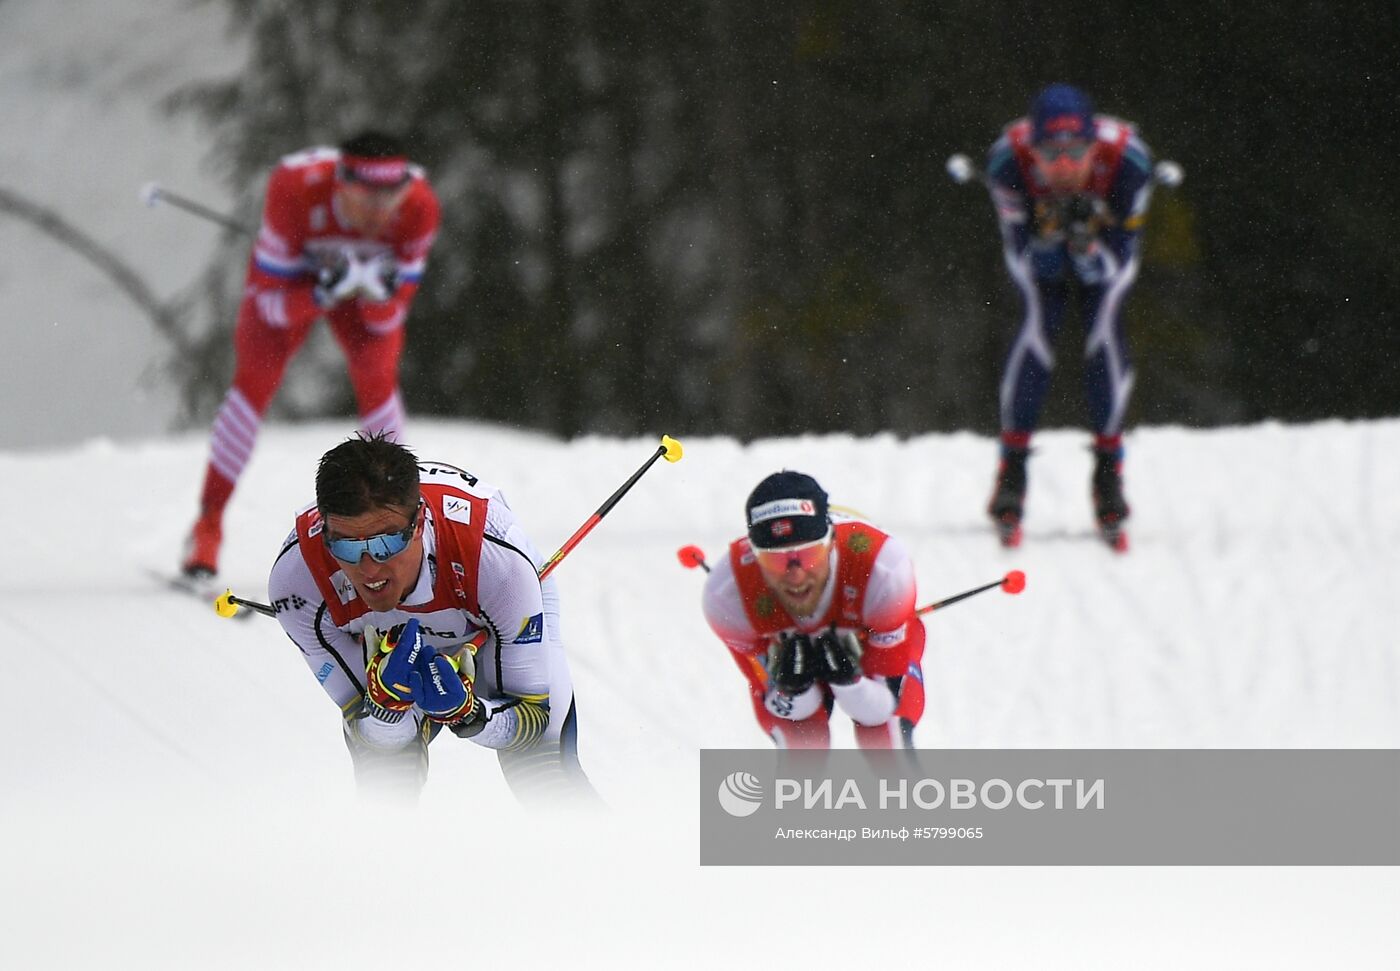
{"x": 869, "y": 593}
{"x": 477, "y": 583}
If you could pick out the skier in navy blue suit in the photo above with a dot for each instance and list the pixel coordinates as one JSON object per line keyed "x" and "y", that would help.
{"x": 1071, "y": 190}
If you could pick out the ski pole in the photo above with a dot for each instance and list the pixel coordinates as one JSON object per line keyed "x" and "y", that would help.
{"x": 152, "y": 193}
{"x": 670, "y": 449}
{"x": 226, "y": 605}
{"x": 1013, "y": 583}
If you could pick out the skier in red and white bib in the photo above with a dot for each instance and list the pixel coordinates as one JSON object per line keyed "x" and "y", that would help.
{"x": 345, "y": 235}
{"x": 432, "y": 557}
{"x": 818, "y": 613}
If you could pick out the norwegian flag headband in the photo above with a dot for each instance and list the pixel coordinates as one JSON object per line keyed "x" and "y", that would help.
{"x": 382, "y": 173}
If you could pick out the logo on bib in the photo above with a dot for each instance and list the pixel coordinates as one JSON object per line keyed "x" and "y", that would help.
{"x": 457, "y": 509}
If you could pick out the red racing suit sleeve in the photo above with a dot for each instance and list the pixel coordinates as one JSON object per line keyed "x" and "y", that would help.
{"x": 280, "y": 279}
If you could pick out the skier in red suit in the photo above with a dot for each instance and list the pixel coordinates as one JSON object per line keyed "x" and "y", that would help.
{"x": 818, "y": 613}
{"x": 345, "y": 235}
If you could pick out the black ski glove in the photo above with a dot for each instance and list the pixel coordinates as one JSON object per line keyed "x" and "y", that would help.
{"x": 1082, "y": 220}
{"x": 837, "y": 657}
{"x": 790, "y": 664}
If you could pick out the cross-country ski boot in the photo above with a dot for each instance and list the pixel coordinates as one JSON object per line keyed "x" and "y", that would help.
{"x": 1009, "y": 495}
{"x": 1110, "y": 508}
{"x": 201, "y": 560}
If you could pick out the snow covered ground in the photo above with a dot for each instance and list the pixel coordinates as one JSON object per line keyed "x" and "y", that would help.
{"x": 173, "y": 789}
{"x": 175, "y": 792}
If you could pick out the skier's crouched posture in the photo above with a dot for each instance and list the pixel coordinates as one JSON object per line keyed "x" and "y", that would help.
{"x": 414, "y": 597}
{"x": 818, "y": 613}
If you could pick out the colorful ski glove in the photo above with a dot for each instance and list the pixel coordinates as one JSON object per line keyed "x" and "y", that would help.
{"x": 391, "y": 662}
{"x": 440, "y": 689}
{"x": 403, "y": 671}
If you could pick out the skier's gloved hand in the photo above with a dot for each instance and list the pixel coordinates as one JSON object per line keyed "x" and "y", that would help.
{"x": 791, "y": 667}
{"x": 1084, "y": 217}
{"x": 379, "y": 279}
{"x": 471, "y": 723}
{"x": 838, "y": 656}
{"x": 387, "y": 676}
{"x": 337, "y": 281}
{"x": 1047, "y": 222}
{"x": 443, "y": 692}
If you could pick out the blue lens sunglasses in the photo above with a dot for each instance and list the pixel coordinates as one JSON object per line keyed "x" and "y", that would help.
{"x": 381, "y": 547}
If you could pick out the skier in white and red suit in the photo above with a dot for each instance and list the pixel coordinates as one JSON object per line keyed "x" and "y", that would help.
{"x": 345, "y": 235}
{"x": 819, "y": 614}
{"x": 434, "y": 558}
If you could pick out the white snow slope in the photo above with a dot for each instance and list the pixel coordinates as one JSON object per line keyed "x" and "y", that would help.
{"x": 175, "y": 792}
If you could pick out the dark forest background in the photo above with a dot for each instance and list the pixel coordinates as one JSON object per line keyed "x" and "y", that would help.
{"x": 733, "y": 218}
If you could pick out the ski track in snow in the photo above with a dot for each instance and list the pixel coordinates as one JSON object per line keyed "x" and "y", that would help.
{"x": 1228, "y": 623}
{"x": 1231, "y": 623}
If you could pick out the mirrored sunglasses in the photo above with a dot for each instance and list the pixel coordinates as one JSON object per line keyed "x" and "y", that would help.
{"x": 381, "y": 547}
{"x": 804, "y": 556}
